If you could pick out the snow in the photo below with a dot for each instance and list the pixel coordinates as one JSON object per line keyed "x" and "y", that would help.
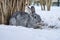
{"x": 23, "y": 33}
{"x": 50, "y": 17}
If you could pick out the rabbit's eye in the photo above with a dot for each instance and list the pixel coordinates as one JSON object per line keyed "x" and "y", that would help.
{"x": 35, "y": 17}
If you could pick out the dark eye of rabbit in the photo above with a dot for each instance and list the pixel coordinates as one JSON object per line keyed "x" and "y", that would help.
{"x": 34, "y": 16}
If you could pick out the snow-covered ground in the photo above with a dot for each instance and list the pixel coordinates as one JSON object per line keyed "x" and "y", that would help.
{"x": 22, "y": 33}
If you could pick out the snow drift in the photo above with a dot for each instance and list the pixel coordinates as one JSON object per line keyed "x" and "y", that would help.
{"x": 22, "y": 33}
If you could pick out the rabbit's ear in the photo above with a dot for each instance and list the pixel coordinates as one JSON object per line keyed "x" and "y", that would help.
{"x": 29, "y": 7}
